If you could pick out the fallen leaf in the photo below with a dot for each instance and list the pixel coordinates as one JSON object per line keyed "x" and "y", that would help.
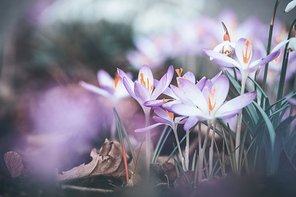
{"x": 108, "y": 161}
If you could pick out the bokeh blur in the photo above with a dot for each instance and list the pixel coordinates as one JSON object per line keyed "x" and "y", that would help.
{"x": 48, "y": 46}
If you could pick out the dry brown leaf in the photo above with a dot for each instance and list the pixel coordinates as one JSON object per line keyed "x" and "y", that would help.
{"x": 14, "y": 163}
{"x": 108, "y": 162}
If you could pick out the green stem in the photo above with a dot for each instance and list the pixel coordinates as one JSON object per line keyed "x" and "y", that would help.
{"x": 201, "y": 156}
{"x": 211, "y": 153}
{"x": 282, "y": 77}
{"x": 187, "y": 151}
{"x": 239, "y": 121}
{"x": 179, "y": 147}
{"x": 268, "y": 48}
{"x": 148, "y": 143}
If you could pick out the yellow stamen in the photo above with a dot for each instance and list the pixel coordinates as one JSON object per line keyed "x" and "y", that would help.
{"x": 212, "y": 97}
{"x": 246, "y": 59}
{"x": 116, "y": 80}
{"x": 179, "y": 71}
{"x": 142, "y": 81}
{"x": 171, "y": 114}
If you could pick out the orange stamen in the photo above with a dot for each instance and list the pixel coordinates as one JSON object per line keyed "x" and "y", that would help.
{"x": 179, "y": 71}
{"x": 227, "y": 52}
{"x": 116, "y": 80}
{"x": 171, "y": 114}
{"x": 246, "y": 59}
{"x": 142, "y": 81}
{"x": 212, "y": 96}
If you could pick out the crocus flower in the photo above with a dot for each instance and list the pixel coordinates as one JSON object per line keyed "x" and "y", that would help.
{"x": 290, "y": 6}
{"x": 109, "y": 87}
{"x": 142, "y": 90}
{"x": 243, "y": 51}
{"x": 209, "y": 103}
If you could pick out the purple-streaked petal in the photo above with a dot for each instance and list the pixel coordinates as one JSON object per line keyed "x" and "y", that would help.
{"x": 190, "y": 76}
{"x": 94, "y": 89}
{"x": 228, "y": 114}
{"x": 221, "y": 85}
{"x": 240, "y": 50}
{"x": 160, "y": 87}
{"x": 147, "y": 75}
{"x": 120, "y": 91}
{"x": 235, "y": 104}
{"x": 162, "y": 113}
{"x": 191, "y": 121}
{"x": 148, "y": 128}
{"x": 187, "y": 110}
{"x": 201, "y": 83}
{"x": 216, "y": 76}
{"x": 193, "y": 93}
{"x": 129, "y": 87}
{"x": 122, "y": 74}
{"x": 164, "y": 82}
{"x": 167, "y": 91}
{"x": 265, "y": 60}
{"x": 105, "y": 80}
{"x": 221, "y": 59}
{"x": 155, "y": 103}
{"x": 162, "y": 120}
{"x": 141, "y": 92}
{"x": 180, "y": 95}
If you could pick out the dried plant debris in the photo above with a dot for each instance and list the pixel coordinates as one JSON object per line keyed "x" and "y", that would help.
{"x": 108, "y": 161}
{"x": 14, "y": 163}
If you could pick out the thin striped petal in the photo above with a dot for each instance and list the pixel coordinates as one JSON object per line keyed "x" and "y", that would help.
{"x": 148, "y": 128}
{"x": 94, "y": 89}
{"x": 141, "y": 92}
{"x": 105, "y": 80}
{"x": 162, "y": 120}
{"x": 221, "y": 59}
{"x": 147, "y": 74}
{"x": 193, "y": 93}
{"x": 221, "y": 86}
{"x": 129, "y": 87}
{"x": 235, "y": 104}
{"x": 162, "y": 113}
{"x": 191, "y": 121}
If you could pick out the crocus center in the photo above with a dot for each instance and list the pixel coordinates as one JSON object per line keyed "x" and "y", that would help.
{"x": 171, "y": 114}
{"x": 116, "y": 81}
{"x": 146, "y": 83}
{"x": 179, "y": 72}
{"x": 247, "y": 53}
{"x": 212, "y": 99}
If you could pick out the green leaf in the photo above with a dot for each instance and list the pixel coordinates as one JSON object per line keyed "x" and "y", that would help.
{"x": 268, "y": 124}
